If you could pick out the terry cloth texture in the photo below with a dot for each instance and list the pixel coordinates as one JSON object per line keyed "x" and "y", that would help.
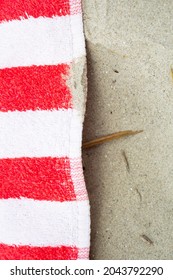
{"x": 44, "y": 208}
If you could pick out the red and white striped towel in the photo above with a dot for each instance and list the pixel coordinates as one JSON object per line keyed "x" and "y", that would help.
{"x": 44, "y": 209}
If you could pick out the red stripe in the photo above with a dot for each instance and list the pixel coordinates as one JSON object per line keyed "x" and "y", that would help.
{"x": 35, "y": 87}
{"x": 75, "y": 7}
{"x": 83, "y": 253}
{"x": 37, "y": 253}
{"x": 36, "y": 178}
{"x": 10, "y": 9}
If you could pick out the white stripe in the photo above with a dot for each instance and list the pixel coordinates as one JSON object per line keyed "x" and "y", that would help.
{"x": 40, "y": 133}
{"x": 41, "y": 41}
{"x": 44, "y": 223}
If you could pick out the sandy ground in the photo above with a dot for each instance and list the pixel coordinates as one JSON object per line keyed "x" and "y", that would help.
{"x": 130, "y": 55}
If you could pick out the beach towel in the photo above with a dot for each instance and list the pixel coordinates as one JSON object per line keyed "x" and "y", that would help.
{"x": 44, "y": 208}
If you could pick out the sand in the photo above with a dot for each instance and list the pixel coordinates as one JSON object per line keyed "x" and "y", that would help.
{"x": 130, "y": 86}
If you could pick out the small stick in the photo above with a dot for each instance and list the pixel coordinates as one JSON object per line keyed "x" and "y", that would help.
{"x": 110, "y": 137}
{"x": 126, "y": 161}
{"x": 138, "y": 192}
{"x": 172, "y": 72}
{"x": 146, "y": 238}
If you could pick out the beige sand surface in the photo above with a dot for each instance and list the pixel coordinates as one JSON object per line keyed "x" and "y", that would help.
{"x": 130, "y": 54}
